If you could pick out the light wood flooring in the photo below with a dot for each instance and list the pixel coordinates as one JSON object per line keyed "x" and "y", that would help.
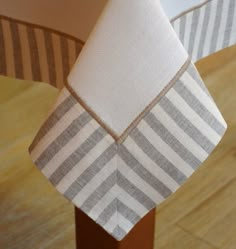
{"x": 200, "y": 215}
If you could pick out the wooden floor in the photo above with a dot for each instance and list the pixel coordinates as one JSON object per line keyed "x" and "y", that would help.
{"x": 200, "y": 215}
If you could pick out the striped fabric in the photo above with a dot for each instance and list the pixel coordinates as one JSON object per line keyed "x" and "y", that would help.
{"x": 32, "y": 52}
{"x": 36, "y": 53}
{"x": 116, "y": 184}
{"x": 208, "y": 28}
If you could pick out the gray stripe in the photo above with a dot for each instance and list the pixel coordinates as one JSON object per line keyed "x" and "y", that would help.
{"x": 169, "y": 139}
{"x": 3, "y": 64}
{"x": 127, "y": 212}
{"x": 16, "y": 50}
{"x": 50, "y": 57}
{"x": 72, "y": 160}
{"x": 118, "y": 206}
{"x": 64, "y": 56}
{"x": 98, "y": 194}
{"x": 134, "y": 191}
{"x": 204, "y": 30}
{"x": 186, "y": 125}
{"x": 57, "y": 114}
{"x": 36, "y": 70}
{"x": 197, "y": 78}
{"x": 118, "y": 233}
{"x": 199, "y": 108}
{"x": 59, "y": 142}
{"x": 215, "y": 33}
{"x": 107, "y": 213}
{"x": 229, "y": 24}
{"x": 182, "y": 28}
{"x": 156, "y": 156}
{"x": 140, "y": 170}
{"x": 85, "y": 177}
{"x": 194, "y": 25}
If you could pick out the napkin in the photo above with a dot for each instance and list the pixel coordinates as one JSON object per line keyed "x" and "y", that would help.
{"x": 134, "y": 120}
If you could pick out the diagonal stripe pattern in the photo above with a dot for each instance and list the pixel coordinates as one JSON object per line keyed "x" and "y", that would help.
{"x": 116, "y": 184}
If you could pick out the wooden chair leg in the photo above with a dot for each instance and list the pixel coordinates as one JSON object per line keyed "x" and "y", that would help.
{"x": 89, "y": 235}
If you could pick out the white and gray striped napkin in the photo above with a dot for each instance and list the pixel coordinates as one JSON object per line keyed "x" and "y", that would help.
{"x": 135, "y": 119}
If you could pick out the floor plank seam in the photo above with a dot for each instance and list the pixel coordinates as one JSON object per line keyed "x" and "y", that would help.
{"x": 197, "y": 237}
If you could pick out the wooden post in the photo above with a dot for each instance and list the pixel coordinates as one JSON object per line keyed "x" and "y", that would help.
{"x": 89, "y": 235}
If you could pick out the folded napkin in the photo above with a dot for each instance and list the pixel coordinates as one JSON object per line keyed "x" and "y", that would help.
{"x": 135, "y": 120}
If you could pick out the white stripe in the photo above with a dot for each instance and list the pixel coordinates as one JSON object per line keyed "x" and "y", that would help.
{"x": 112, "y": 222}
{"x": 96, "y": 181}
{"x": 103, "y": 202}
{"x": 233, "y": 31}
{"x": 187, "y": 32}
{"x": 69, "y": 148}
{"x": 8, "y": 48}
{"x": 124, "y": 223}
{"x": 192, "y": 116}
{"x": 26, "y": 59}
{"x": 57, "y": 129}
{"x": 178, "y": 133}
{"x": 202, "y": 96}
{"x": 117, "y": 192}
{"x": 165, "y": 149}
{"x": 198, "y": 33}
{"x": 222, "y": 26}
{"x": 131, "y": 203}
{"x": 149, "y": 165}
{"x": 118, "y": 219}
{"x": 139, "y": 182}
{"x": 209, "y": 33}
{"x": 84, "y": 163}
{"x": 42, "y": 55}
{"x": 176, "y": 24}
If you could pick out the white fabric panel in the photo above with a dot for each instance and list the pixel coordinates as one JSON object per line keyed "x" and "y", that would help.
{"x": 130, "y": 56}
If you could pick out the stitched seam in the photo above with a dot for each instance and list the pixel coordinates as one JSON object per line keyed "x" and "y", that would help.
{"x": 134, "y": 123}
{"x": 91, "y": 112}
{"x": 190, "y": 10}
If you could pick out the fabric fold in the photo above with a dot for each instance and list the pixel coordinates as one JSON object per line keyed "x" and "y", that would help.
{"x": 117, "y": 181}
{"x": 132, "y": 61}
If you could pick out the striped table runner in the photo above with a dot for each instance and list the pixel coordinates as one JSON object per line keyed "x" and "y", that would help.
{"x": 116, "y": 170}
{"x": 207, "y": 28}
{"x": 33, "y": 52}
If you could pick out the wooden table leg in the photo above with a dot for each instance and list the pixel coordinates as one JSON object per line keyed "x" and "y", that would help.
{"x": 89, "y": 235}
